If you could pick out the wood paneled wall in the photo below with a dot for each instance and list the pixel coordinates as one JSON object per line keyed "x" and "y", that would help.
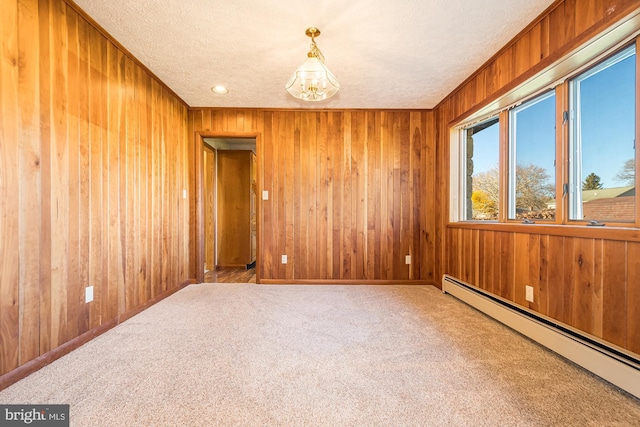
{"x": 590, "y": 283}
{"x": 350, "y": 192}
{"x": 93, "y": 161}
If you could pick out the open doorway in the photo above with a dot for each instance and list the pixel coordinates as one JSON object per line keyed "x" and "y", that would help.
{"x": 230, "y": 209}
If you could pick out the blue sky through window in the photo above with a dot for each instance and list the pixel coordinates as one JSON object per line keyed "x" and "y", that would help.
{"x": 608, "y": 121}
{"x": 608, "y": 127}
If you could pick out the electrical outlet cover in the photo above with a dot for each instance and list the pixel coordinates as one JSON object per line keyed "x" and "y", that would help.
{"x": 529, "y": 293}
{"x": 88, "y": 294}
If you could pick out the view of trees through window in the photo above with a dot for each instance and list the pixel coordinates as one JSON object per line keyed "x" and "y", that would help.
{"x": 532, "y": 158}
{"x": 482, "y": 149}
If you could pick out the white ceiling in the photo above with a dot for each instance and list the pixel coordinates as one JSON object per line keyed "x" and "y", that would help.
{"x": 405, "y": 54}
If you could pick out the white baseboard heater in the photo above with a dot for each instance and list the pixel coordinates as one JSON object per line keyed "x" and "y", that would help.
{"x": 608, "y": 362}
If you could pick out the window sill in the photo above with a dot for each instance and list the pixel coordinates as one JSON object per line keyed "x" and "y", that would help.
{"x": 607, "y": 232}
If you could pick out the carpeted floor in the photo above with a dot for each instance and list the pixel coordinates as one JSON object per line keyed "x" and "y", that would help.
{"x": 259, "y": 355}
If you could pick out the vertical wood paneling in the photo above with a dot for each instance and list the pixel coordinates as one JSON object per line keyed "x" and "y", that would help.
{"x": 423, "y": 190}
{"x": 485, "y": 263}
{"x": 633, "y": 297}
{"x": 583, "y": 278}
{"x": 115, "y": 276}
{"x": 290, "y": 200}
{"x": 124, "y": 201}
{"x": 83, "y": 180}
{"x": 299, "y": 221}
{"x": 360, "y": 200}
{"x": 74, "y": 291}
{"x": 101, "y": 295}
{"x": 267, "y": 258}
{"x": 346, "y": 237}
{"x": 84, "y": 170}
{"x": 96, "y": 109}
{"x": 542, "y": 293}
{"x": 507, "y": 285}
{"x": 128, "y": 150}
{"x": 10, "y": 206}
{"x": 308, "y": 186}
{"x": 522, "y": 273}
{"x": 345, "y": 191}
{"x": 614, "y": 292}
{"x": 335, "y": 147}
{"x": 587, "y": 283}
{"x": 59, "y": 174}
{"x": 371, "y": 180}
{"x": 44, "y": 9}
{"x": 322, "y": 205}
{"x": 29, "y": 181}
{"x": 597, "y": 290}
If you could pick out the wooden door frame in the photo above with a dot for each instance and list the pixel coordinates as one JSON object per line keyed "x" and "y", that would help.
{"x": 200, "y": 200}
{"x": 206, "y": 148}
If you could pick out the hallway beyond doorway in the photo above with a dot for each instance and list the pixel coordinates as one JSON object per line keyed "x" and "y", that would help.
{"x": 231, "y": 275}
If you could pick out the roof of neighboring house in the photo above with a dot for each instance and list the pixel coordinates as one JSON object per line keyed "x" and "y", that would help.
{"x": 611, "y": 209}
{"x": 607, "y": 193}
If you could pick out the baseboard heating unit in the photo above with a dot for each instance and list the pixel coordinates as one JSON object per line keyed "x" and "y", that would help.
{"x": 608, "y": 362}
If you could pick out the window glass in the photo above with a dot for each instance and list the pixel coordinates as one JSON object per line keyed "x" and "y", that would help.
{"x": 482, "y": 170}
{"x": 602, "y": 141}
{"x": 532, "y": 156}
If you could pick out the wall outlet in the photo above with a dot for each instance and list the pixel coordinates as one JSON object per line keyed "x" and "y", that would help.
{"x": 265, "y": 195}
{"x": 407, "y": 259}
{"x": 88, "y": 294}
{"x": 529, "y": 293}
{"x": 284, "y": 259}
{"x": 184, "y": 194}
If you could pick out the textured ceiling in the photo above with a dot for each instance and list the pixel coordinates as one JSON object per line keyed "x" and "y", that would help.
{"x": 385, "y": 53}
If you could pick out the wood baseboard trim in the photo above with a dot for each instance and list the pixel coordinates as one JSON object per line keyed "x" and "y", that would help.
{"x": 41, "y": 361}
{"x": 343, "y": 282}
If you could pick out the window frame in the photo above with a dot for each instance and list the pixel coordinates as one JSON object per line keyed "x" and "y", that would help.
{"x": 574, "y": 141}
{"x": 464, "y": 200}
{"x": 560, "y": 87}
{"x": 511, "y": 163}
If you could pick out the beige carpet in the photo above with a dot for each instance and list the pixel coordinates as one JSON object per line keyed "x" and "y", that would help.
{"x": 258, "y": 355}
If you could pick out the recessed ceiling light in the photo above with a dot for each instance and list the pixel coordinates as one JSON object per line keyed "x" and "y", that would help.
{"x": 219, "y": 89}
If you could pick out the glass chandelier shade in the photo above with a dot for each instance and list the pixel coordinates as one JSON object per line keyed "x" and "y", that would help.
{"x": 313, "y": 81}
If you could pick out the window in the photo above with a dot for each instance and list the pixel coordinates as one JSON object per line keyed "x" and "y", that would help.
{"x": 602, "y": 141}
{"x": 532, "y": 159}
{"x": 533, "y": 162}
{"x": 482, "y": 145}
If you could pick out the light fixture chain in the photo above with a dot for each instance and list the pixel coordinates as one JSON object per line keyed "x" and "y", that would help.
{"x": 315, "y": 51}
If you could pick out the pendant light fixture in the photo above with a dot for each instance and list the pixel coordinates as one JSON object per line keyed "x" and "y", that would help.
{"x": 313, "y": 81}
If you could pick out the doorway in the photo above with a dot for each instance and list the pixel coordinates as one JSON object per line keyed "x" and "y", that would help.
{"x": 229, "y": 207}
